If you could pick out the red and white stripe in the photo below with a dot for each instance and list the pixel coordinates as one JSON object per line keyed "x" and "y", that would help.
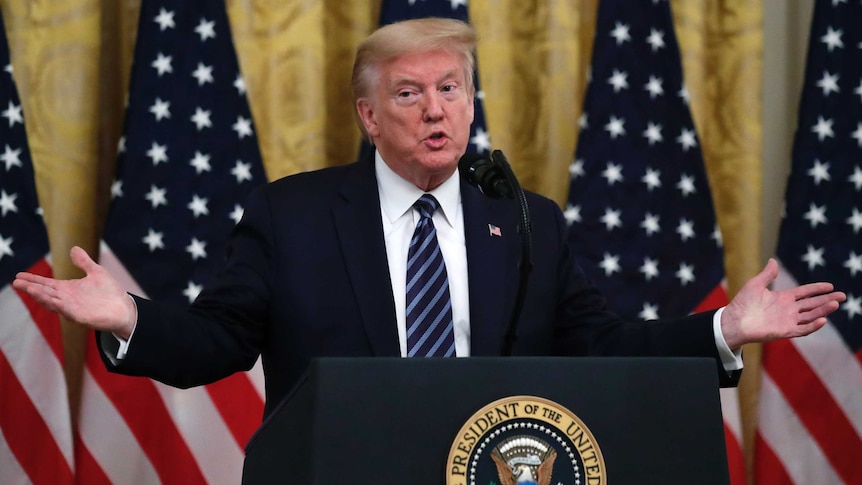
{"x": 810, "y": 409}
{"x": 729, "y": 402}
{"x": 35, "y": 426}
{"x": 136, "y": 430}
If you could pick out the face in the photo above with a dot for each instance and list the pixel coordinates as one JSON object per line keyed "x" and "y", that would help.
{"x": 419, "y": 116}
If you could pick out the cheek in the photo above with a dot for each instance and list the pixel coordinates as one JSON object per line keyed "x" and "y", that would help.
{"x": 392, "y": 118}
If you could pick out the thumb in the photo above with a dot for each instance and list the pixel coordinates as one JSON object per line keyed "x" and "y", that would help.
{"x": 82, "y": 260}
{"x": 767, "y": 275}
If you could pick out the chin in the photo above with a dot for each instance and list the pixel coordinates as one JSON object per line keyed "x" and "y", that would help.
{"x": 442, "y": 161}
{"x": 442, "y": 168}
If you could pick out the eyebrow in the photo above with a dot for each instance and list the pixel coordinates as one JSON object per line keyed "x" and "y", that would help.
{"x": 409, "y": 80}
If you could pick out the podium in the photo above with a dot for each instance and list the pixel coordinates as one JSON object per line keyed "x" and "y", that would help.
{"x": 390, "y": 420}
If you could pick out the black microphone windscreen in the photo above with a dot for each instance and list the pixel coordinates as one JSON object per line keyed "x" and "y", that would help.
{"x": 467, "y": 160}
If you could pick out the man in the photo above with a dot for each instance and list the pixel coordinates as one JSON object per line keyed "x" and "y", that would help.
{"x": 337, "y": 278}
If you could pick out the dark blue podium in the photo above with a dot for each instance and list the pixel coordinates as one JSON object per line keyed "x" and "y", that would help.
{"x": 388, "y": 420}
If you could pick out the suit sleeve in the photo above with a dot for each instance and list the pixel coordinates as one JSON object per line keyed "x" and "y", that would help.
{"x": 223, "y": 331}
{"x": 585, "y": 325}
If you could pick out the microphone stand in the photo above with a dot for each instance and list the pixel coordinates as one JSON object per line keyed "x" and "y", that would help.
{"x": 525, "y": 264}
{"x": 494, "y": 178}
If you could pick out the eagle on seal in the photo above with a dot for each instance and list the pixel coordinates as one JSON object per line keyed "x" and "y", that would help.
{"x": 525, "y": 468}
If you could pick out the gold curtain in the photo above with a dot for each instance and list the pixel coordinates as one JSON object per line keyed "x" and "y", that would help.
{"x": 722, "y": 53}
{"x": 72, "y": 59}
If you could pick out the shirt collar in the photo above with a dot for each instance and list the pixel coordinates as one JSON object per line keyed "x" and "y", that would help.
{"x": 398, "y": 195}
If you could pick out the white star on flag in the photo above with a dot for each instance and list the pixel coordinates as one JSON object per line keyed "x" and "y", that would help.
{"x": 161, "y": 109}
{"x": 653, "y": 133}
{"x": 650, "y": 224}
{"x": 201, "y": 119}
{"x": 618, "y": 81}
{"x": 829, "y": 83}
{"x": 13, "y": 114}
{"x": 649, "y": 312}
{"x": 613, "y": 173}
{"x": 157, "y": 196}
{"x": 242, "y": 127}
{"x": 158, "y": 153}
{"x": 206, "y": 29}
{"x": 203, "y": 73}
{"x": 7, "y": 203}
{"x": 198, "y": 206}
{"x": 653, "y": 87}
{"x": 687, "y": 139}
{"x": 10, "y": 157}
{"x": 165, "y": 19}
{"x": 621, "y": 33}
{"x": 615, "y": 127}
{"x": 154, "y": 240}
{"x": 819, "y": 172}
{"x": 201, "y": 163}
{"x": 162, "y": 64}
{"x": 611, "y": 264}
{"x": 832, "y": 39}
{"x": 655, "y": 39}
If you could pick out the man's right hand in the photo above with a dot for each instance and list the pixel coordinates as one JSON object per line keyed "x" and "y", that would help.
{"x": 96, "y": 300}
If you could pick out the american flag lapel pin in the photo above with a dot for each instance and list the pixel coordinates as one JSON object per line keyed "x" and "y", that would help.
{"x": 494, "y": 230}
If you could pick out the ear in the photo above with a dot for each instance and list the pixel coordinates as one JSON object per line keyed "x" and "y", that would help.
{"x": 366, "y": 113}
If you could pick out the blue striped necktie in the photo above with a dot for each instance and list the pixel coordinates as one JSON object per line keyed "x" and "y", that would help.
{"x": 430, "y": 332}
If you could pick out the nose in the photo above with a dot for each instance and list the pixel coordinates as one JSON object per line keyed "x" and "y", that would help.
{"x": 433, "y": 108}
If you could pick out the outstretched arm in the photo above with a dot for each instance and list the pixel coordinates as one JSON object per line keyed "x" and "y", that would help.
{"x": 96, "y": 301}
{"x": 758, "y": 314}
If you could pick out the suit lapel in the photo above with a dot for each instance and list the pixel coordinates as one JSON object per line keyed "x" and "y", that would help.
{"x": 487, "y": 263}
{"x": 360, "y": 234}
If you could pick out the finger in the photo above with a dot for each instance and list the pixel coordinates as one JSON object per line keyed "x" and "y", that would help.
{"x": 767, "y": 275}
{"x": 82, "y": 260}
{"x": 818, "y": 312}
{"x": 31, "y": 278}
{"x": 815, "y": 301}
{"x": 22, "y": 284}
{"x": 811, "y": 289}
{"x": 808, "y": 328}
{"x": 42, "y": 294}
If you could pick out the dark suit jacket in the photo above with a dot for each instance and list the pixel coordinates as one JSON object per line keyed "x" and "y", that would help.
{"x": 306, "y": 276}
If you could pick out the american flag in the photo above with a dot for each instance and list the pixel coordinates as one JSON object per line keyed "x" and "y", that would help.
{"x": 188, "y": 158}
{"x": 35, "y": 426}
{"x": 810, "y": 411}
{"x": 397, "y": 10}
{"x": 642, "y": 224}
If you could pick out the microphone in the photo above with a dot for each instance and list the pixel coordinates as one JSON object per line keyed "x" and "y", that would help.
{"x": 487, "y": 174}
{"x": 494, "y": 178}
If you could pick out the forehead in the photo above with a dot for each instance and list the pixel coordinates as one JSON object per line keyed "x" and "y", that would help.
{"x": 431, "y": 66}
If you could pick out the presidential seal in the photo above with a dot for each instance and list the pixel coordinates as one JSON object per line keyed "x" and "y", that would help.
{"x": 525, "y": 440}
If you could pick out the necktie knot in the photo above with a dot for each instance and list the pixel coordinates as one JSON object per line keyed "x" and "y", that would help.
{"x": 426, "y": 205}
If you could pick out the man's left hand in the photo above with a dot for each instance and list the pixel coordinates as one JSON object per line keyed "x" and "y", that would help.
{"x": 758, "y": 314}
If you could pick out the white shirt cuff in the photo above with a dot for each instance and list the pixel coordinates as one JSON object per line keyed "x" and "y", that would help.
{"x": 730, "y": 359}
{"x": 115, "y": 348}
